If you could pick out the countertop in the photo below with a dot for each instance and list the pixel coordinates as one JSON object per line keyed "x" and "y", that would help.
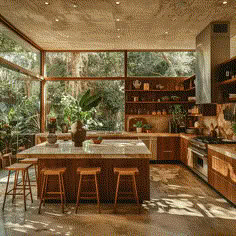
{"x": 225, "y": 149}
{"x": 107, "y": 149}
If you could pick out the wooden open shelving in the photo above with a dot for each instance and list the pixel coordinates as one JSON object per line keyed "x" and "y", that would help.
{"x": 228, "y": 82}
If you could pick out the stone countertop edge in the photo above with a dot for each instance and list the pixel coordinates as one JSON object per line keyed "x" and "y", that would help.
{"x": 228, "y": 150}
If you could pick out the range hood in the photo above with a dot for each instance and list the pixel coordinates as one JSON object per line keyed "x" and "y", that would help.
{"x": 212, "y": 48}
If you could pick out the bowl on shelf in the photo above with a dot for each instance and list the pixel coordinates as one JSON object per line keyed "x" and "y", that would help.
{"x": 97, "y": 140}
{"x": 165, "y": 98}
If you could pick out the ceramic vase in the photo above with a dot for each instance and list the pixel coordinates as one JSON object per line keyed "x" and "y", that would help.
{"x": 78, "y": 133}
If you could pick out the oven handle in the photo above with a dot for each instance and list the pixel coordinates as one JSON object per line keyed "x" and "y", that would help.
{"x": 198, "y": 153}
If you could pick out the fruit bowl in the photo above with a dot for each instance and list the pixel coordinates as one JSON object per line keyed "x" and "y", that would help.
{"x": 97, "y": 141}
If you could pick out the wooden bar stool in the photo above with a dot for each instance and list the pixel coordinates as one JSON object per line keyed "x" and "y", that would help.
{"x": 53, "y": 172}
{"x": 23, "y": 168}
{"x": 86, "y": 173}
{"x": 124, "y": 172}
{"x": 34, "y": 162}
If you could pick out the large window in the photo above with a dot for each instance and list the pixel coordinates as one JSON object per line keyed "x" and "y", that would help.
{"x": 161, "y": 64}
{"x": 85, "y": 64}
{"x": 63, "y": 96}
{"x": 18, "y": 51}
{"x": 19, "y": 110}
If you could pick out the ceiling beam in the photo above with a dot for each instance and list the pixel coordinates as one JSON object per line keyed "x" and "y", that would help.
{"x": 19, "y": 33}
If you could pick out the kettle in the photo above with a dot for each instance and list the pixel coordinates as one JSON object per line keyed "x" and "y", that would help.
{"x": 137, "y": 84}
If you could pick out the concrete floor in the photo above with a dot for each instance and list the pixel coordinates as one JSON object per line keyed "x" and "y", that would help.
{"x": 181, "y": 204}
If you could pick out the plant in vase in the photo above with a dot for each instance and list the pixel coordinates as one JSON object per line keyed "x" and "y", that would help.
{"x": 85, "y": 104}
{"x": 234, "y": 130}
{"x": 148, "y": 128}
{"x": 139, "y": 126}
{"x": 52, "y": 127}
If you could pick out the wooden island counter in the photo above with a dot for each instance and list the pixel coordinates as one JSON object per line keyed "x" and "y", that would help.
{"x": 107, "y": 155}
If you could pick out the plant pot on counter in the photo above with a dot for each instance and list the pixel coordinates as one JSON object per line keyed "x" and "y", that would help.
{"x": 139, "y": 130}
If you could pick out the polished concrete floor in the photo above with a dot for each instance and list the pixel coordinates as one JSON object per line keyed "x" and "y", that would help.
{"x": 181, "y": 204}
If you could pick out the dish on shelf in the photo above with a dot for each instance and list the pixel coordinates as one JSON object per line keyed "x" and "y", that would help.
{"x": 165, "y": 98}
{"x": 175, "y": 98}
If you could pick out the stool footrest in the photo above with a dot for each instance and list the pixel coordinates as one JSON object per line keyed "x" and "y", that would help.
{"x": 88, "y": 197}
{"x": 59, "y": 193}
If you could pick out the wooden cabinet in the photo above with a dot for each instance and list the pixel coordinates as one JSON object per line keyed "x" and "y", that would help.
{"x": 184, "y": 151}
{"x": 151, "y": 143}
{"x": 167, "y": 148}
{"x": 222, "y": 174}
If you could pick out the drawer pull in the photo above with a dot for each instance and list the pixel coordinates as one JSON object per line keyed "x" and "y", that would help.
{"x": 167, "y": 151}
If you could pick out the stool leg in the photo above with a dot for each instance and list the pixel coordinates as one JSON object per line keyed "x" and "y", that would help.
{"x": 98, "y": 200}
{"x": 42, "y": 193}
{"x": 117, "y": 189}
{"x": 27, "y": 174}
{"x": 36, "y": 174}
{"x": 78, "y": 194}
{"x": 135, "y": 192}
{"x": 63, "y": 188}
{"x": 61, "y": 194}
{"x": 15, "y": 185}
{"x": 23, "y": 181}
{"x": 45, "y": 190}
{"x": 9, "y": 173}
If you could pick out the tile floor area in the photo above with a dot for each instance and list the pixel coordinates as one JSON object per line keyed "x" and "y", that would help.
{"x": 181, "y": 204}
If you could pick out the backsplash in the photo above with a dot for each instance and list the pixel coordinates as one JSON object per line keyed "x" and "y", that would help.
{"x": 224, "y": 127}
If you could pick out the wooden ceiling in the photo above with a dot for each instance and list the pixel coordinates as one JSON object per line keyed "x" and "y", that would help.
{"x": 93, "y": 25}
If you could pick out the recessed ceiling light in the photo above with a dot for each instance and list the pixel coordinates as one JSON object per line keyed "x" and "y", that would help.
{"x": 118, "y": 36}
{"x": 118, "y": 29}
{"x": 46, "y": 3}
{"x": 75, "y": 5}
{"x": 117, "y": 3}
{"x": 225, "y": 2}
{"x": 57, "y": 20}
{"x": 166, "y": 32}
{"x": 117, "y": 19}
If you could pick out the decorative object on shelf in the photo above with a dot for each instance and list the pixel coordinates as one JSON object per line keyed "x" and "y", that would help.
{"x": 176, "y": 87}
{"x": 164, "y": 112}
{"x": 192, "y": 99}
{"x": 154, "y": 113}
{"x": 137, "y": 84}
{"x": 52, "y": 126}
{"x": 148, "y": 128}
{"x": 78, "y": 133}
{"x": 136, "y": 99}
{"x": 139, "y": 126}
{"x": 165, "y": 98}
{"x": 97, "y": 140}
{"x": 175, "y": 98}
{"x": 159, "y": 87}
{"x": 146, "y": 86}
{"x": 181, "y": 86}
{"x": 158, "y": 112}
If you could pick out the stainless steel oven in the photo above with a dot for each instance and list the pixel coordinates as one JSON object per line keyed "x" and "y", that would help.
{"x": 199, "y": 162}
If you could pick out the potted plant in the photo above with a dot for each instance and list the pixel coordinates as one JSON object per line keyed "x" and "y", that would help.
{"x": 97, "y": 140}
{"x": 178, "y": 118}
{"x": 139, "y": 126}
{"x": 148, "y": 128}
{"x": 85, "y": 104}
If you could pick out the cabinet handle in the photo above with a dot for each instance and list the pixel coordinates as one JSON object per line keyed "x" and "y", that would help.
{"x": 167, "y": 151}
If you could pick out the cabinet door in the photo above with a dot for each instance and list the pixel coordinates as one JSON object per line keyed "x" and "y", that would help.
{"x": 167, "y": 148}
{"x": 184, "y": 151}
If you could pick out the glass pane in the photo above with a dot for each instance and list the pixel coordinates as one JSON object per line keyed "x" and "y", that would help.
{"x": 19, "y": 110}
{"x": 18, "y": 51}
{"x": 85, "y": 64}
{"x": 162, "y": 64}
{"x": 62, "y": 103}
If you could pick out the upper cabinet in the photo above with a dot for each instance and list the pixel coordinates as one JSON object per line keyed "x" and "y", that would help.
{"x": 213, "y": 48}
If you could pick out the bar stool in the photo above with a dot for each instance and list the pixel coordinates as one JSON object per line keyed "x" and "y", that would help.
{"x": 53, "y": 172}
{"x": 86, "y": 173}
{"x": 124, "y": 172}
{"x": 23, "y": 168}
{"x": 34, "y": 162}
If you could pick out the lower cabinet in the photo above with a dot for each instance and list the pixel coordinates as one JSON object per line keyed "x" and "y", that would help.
{"x": 151, "y": 143}
{"x": 222, "y": 174}
{"x": 168, "y": 148}
{"x": 184, "y": 151}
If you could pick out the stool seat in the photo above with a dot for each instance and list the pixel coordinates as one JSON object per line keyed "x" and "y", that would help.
{"x": 88, "y": 171}
{"x": 18, "y": 166}
{"x": 55, "y": 171}
{"x": 33, "y": 161}
{"x": 126, "y": 171}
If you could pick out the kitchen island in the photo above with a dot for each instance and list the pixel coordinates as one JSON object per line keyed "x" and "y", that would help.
{"x": 107, "y": 155}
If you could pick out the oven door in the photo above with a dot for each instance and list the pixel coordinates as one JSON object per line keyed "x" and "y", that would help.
{"x": 200, "y": 163}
